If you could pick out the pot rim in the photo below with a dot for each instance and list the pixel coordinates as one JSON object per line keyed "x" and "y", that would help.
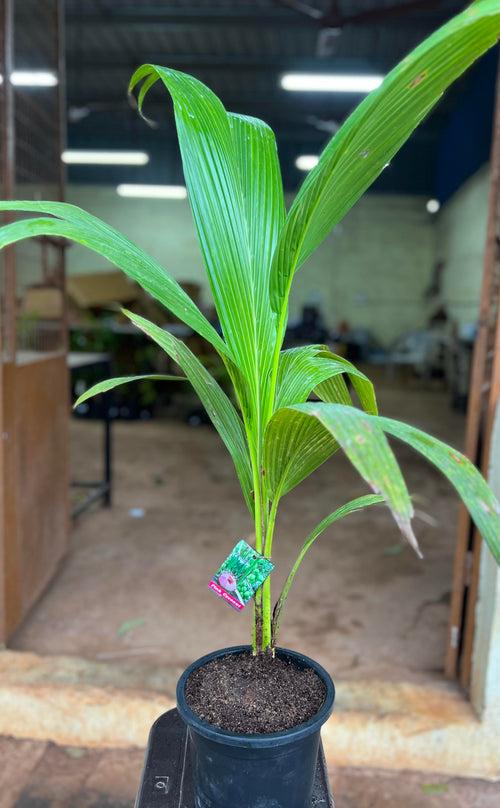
{"x": 256, "y": 740}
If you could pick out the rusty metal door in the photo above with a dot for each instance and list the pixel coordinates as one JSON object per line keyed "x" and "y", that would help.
{"x": 34, "y": 388}
{"x": 35, "y": 414}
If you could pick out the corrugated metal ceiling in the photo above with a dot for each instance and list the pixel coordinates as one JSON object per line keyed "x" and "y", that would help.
{"x": 239, "y": 49}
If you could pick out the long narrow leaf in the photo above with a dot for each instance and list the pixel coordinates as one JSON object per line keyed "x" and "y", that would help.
{"x": 219, "y": 408}
{"x": 476, "y": 494}
{"x": 294, "y": 447}
{"x": 375, "y": 131}
{"x": 300, "y": 371}
{"x": 345, "y": 510}
{"x": 264, "y": 205}
{"x": 83, "y": 228}
{"x": 110, "y": 384}
{"x": 262, "y": 189}
{"x": 234, "y": 186}
{"x": 313, "y": 367}
{"x": 327, "y": 390}
{"x": 363, "y": 441}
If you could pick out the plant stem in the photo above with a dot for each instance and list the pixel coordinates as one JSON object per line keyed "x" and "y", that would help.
{"x": 257, "y": 623}
{"x": 266, "y": 595}
{"x": 262, "y": 629}
{"x": 267, "y": 643}
{"x": 257, "y": 628}
{"x": 266, "y": 616}
{"x": 268, "y": 547}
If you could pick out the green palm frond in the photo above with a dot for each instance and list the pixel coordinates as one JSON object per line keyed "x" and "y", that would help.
{"x": 294, "y": 447}
{"x": 219, "y": 408}
{"x": 363, "y": 441}
{"x": 375, "y": 132}
{"x": 314, "y": 368}
{"x": 476, "y": 495}
{"x": 234, "y": 185}
{"x": 353, "y": 506}
{"x": 110, "y": 384}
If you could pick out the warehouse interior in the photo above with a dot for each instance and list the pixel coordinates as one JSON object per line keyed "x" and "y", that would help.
{"x": 124, "y": 507}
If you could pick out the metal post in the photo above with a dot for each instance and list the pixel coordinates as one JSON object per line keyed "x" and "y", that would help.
{"x": 8, "y": 330}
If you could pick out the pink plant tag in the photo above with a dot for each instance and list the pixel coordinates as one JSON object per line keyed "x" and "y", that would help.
{"x": 241, "y": 575}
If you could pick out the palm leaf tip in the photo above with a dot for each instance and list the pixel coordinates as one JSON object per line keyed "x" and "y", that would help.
{"x": 470, "y": 485}
{"x": 362, "y": 439}
{"x": 403, "y": 521}
{"x": 109, "y": 384}
{"x": 406, "y": 529}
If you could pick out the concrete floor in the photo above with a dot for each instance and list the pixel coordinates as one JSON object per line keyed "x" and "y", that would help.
{"x": 133, "y": 591}
{"x": 42, "y": 775}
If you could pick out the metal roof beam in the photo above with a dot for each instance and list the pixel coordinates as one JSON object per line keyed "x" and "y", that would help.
{"x": 238, "y": 15}
{"x": 171, "y": 16}
{"x": 95, "y": 61}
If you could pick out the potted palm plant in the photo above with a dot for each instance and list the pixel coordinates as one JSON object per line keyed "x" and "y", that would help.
{"x": 255, "y": 711}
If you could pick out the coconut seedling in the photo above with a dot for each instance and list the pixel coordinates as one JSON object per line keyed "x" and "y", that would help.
{"x": 248, "y": 749}
{"x": 252, "y": 248}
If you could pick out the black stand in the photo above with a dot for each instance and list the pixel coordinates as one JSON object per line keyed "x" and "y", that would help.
{"x": 166, "y": 780}
{"x": 98, "y": 489}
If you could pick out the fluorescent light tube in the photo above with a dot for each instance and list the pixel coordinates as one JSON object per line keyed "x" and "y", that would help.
{"x": 305, "y": 162}
{"x": 152, "y": 191}
{"x": 330, "y": 82}
{"x": 104, "y": 158}
{"x": 33, "y": 78}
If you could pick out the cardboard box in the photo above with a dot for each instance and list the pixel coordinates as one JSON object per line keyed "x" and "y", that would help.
{"x": 43, "y": 302}
{"x": 100, "y": 289}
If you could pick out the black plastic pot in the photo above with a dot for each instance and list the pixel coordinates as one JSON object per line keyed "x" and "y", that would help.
{"x": 274, "y": 770}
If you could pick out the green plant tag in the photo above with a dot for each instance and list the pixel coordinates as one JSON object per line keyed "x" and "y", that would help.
{"x": 240, "y": 575}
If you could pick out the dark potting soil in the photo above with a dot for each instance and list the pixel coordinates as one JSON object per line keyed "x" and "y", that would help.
{"x": 246, "y": 694}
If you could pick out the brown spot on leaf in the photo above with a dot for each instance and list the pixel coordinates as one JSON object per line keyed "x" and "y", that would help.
{"x": 419, "y": 79}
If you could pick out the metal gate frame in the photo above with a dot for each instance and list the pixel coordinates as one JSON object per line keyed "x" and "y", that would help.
{"x": 484, "y": 395}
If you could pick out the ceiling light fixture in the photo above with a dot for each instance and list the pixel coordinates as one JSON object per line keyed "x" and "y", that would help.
{"x": 305, "y": 162}
{"x": 433, "y": 205}
{"x": 104, "y": 158}
{"x": 330, "y": 82}
{"x": 32, "y": 78}
{"x": 152, "y": 191}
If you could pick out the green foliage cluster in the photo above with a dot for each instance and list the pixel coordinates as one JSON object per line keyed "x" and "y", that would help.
{"x": 252, "y": 249}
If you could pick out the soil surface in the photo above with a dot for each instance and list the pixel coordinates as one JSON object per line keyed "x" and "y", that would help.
{"x": 247, "y": 694}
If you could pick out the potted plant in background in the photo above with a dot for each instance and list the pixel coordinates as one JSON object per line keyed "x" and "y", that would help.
{"x": 255, "y": 712}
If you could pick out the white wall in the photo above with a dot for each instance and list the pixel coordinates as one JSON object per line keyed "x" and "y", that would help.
{"x": 460, "y": 243}
{"x": 371, "y": 271}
